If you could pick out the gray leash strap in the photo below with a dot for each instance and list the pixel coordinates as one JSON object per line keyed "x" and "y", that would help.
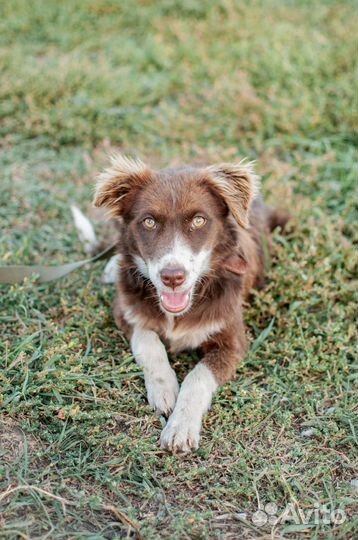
{"x": 16, "y": 274}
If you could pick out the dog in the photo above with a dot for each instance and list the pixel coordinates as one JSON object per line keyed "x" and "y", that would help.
{"x": 190, "y": 250}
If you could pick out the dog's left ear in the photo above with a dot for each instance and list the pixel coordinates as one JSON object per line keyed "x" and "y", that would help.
{"x": 119, "y": 183}
{"x": 237, "y": 185}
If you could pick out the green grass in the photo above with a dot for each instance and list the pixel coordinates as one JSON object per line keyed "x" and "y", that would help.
{"x": 177, "y": 81}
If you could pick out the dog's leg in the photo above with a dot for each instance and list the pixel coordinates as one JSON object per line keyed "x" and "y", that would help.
{"x": 182, "y": 432}
{"x": 160, "y": 379}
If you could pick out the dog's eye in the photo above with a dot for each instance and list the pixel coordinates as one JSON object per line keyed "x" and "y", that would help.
{"x": 198, "y": 222}
{"x": 149, "y": 223}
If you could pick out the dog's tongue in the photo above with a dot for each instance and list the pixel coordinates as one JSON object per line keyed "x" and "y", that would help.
{"x": 175, "y": 301}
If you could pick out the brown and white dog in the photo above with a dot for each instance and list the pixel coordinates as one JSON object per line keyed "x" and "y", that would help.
{"x": 190, "y": 251}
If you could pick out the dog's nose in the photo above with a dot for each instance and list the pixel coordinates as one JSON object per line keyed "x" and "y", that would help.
{"x": 172, "y": 277}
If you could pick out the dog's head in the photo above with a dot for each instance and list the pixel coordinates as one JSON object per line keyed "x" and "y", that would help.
{"x": 176, "y": 219}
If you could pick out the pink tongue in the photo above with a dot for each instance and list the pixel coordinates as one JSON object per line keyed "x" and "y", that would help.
{"x": 175, "y": 301}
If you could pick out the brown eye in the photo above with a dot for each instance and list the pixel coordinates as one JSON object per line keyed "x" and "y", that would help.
{"x": 198, "y": 222}
{"x": 149, "y": 223}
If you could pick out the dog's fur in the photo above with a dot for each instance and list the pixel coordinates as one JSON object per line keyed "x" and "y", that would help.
{"x": 190, "y": 251}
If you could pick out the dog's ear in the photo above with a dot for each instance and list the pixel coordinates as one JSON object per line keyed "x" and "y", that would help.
{"x": 237, "y": 185}
{"x": 119, "y": 182}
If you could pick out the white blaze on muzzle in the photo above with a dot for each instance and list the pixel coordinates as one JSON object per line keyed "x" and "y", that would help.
{"x": 176, "y": 299}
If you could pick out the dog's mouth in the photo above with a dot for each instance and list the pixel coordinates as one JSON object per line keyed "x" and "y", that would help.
{"x": 175, "y": 302}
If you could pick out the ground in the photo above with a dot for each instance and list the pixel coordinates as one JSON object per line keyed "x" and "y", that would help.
{"x": 178, "y": 81}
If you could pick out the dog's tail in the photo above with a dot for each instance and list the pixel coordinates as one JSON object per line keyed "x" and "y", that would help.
{"x": 277, "y": 218}
{"x": 92, "y": 246}
{"x": 85, "y": 230}
{"x": 87, "y": 234}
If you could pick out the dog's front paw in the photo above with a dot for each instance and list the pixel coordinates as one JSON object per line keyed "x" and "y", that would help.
{"x": 162, "y": 392}
{"x": 181, "y": 434}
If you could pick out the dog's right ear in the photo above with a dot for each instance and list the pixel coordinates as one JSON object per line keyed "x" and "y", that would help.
{"x": 119, "y": 182}
{"x": 237, "y": 185}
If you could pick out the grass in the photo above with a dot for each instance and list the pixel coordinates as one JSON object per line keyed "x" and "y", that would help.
{"x": 177, "y": 81}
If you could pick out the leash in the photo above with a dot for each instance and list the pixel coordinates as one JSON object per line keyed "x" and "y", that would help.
{"x": 16, "y": 274}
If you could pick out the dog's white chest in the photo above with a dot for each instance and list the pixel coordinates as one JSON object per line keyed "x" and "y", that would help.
{"x": 181, "y": 339}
